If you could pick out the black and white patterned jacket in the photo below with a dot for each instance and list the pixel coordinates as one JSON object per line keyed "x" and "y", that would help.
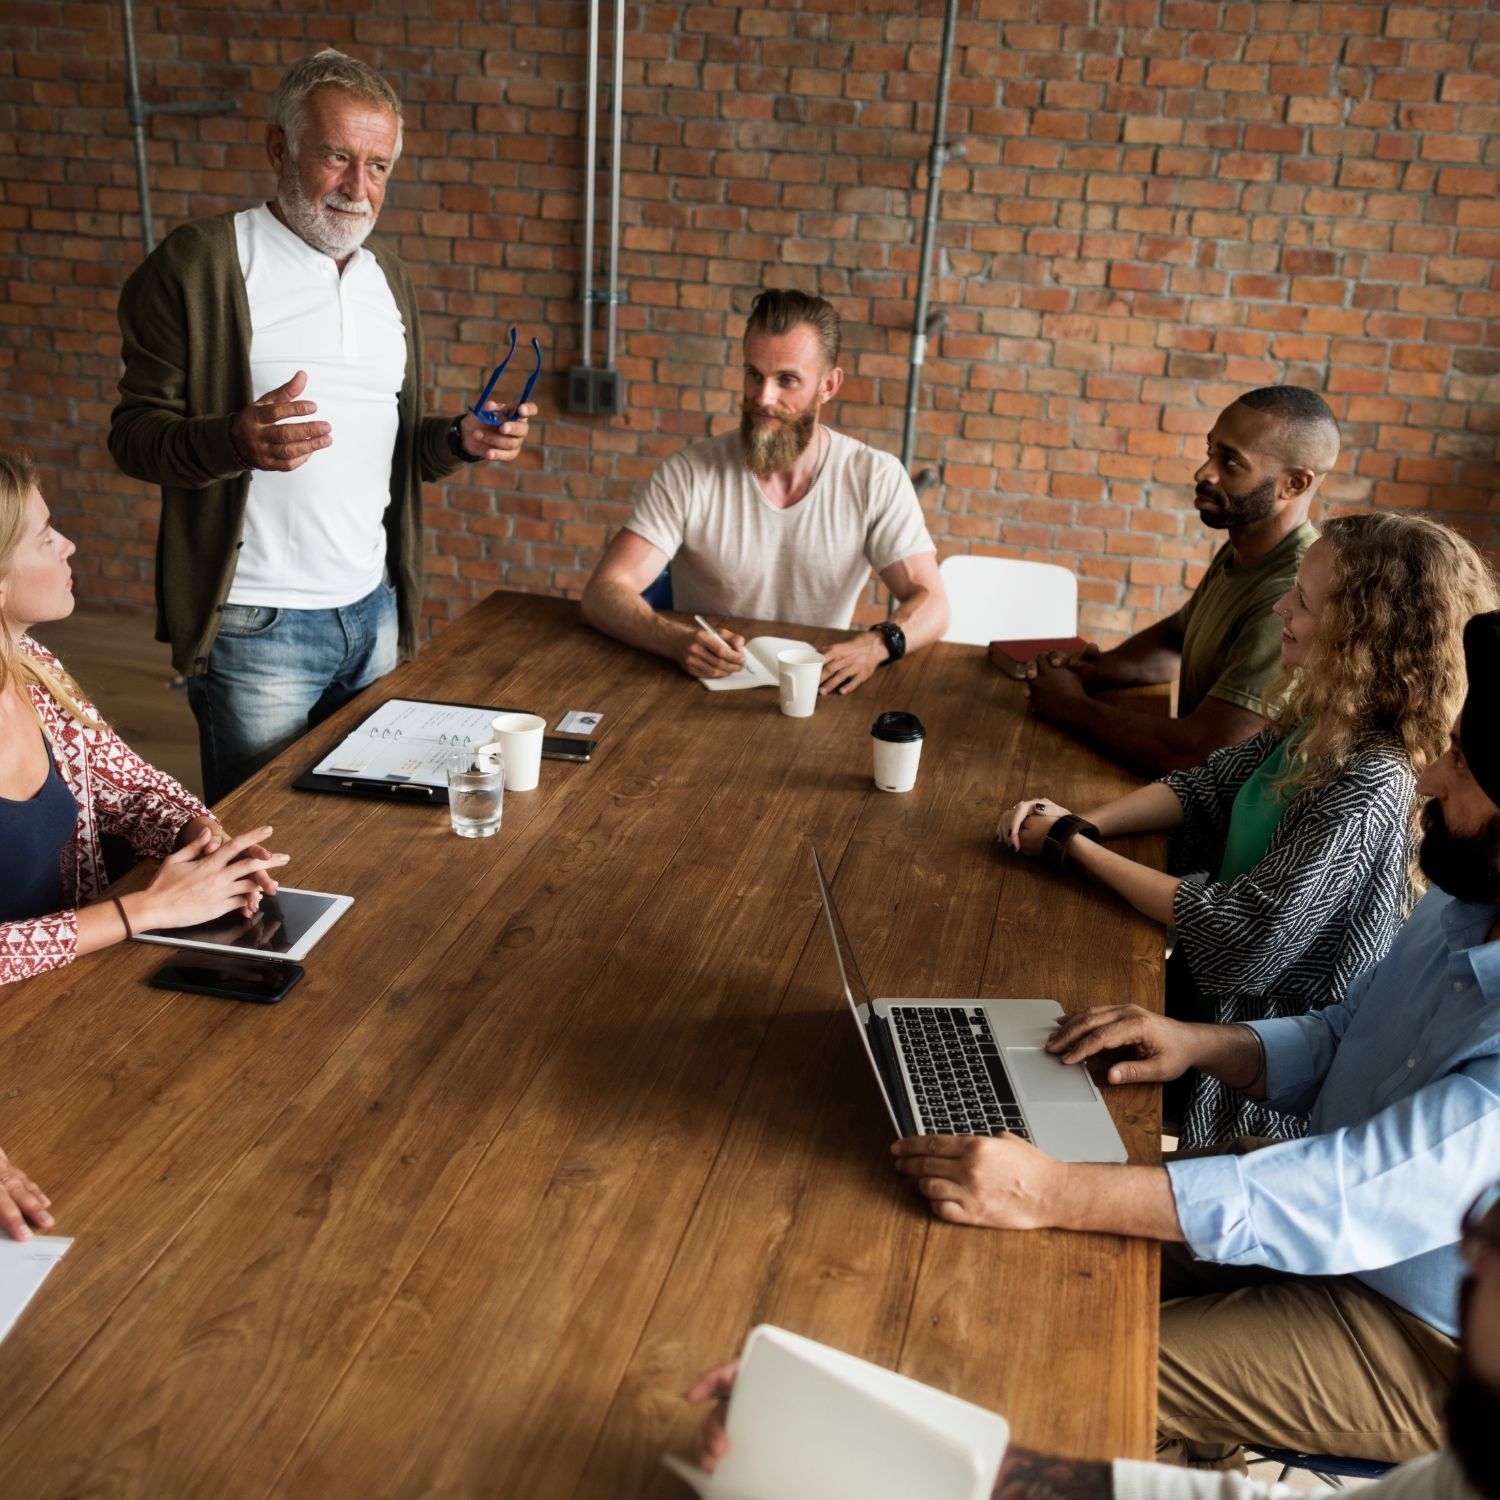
{"x": 1324, "y": 901}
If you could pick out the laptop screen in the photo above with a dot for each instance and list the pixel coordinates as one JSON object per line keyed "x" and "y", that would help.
{"x": 854, "y": 983}
{"x": 855, "y": 992}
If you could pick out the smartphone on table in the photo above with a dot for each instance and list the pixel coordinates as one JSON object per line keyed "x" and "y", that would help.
{"x": 261, "y": 981}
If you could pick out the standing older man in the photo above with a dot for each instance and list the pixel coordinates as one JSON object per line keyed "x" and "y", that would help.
{"x": 288, "y": 575}
{"x": 782, "y": 519}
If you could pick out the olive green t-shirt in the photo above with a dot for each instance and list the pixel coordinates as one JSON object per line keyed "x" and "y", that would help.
{"x": 1231, "y": 642}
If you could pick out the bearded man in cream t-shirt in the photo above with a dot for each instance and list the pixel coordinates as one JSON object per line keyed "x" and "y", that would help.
{"x": 781, "y": 519}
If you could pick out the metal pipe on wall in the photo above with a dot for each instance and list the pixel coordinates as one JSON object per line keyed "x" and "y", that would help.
{"x": 616, "y": 134}
{"x": 139, "y": 113}
{"x": 136, "y": 111}
{"x": 590, "y": 148}
{"x": 938, "y": 157}
{"x": 596, "y": 392}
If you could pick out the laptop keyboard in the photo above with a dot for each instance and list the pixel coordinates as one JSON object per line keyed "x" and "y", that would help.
{"x": 957, "y": 1077}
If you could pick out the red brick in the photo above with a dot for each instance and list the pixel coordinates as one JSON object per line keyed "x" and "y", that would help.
{"x": 1155, "y": 211}
{"x": 1462, "y": 182}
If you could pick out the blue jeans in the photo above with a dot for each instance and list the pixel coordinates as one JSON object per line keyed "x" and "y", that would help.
{"x": 275, "y": 673}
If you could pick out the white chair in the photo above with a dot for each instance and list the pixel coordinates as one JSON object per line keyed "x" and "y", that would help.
{"x": 1002, "y": 599}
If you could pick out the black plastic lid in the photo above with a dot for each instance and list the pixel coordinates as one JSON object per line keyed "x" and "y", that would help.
{"x": 898, "y": 729}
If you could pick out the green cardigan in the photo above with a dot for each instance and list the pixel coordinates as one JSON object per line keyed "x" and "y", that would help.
{"x": 186, "y": 326}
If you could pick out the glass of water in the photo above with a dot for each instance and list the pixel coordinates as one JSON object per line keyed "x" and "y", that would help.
{"x": 476, "y": 788}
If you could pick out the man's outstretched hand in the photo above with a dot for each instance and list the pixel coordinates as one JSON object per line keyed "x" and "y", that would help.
{"x": 263, "y": 438}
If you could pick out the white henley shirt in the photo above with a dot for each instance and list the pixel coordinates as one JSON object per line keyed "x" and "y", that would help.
{"x": 314, "y": 537}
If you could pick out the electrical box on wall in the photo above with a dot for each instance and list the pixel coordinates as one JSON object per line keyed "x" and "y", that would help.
{"x": 581, "y": 391}
{"x": 608, "y": 393}
{"x": 595, "y": 393}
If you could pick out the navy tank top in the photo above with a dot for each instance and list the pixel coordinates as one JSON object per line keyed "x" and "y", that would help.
{"x": 33, "y": 836}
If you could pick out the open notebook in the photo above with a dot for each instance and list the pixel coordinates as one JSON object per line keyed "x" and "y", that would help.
{"x": 807, "y": 1422}
{"x": 760, "y": 665}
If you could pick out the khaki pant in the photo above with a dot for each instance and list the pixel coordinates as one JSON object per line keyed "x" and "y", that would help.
{"x": 1316, "y": 1363}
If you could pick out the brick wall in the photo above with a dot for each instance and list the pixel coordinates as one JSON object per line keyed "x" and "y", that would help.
{"x": 1162, "y": 202}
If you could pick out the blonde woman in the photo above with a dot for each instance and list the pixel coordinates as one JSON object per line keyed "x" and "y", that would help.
{"x": 66, "y": 779}
{"x": 1307, "y": 831}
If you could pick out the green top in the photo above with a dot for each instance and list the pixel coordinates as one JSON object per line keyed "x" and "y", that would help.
{"x": 186, "y": 326}
{"x": 1257, "y": 811}
{"x": 1231, "y": 646}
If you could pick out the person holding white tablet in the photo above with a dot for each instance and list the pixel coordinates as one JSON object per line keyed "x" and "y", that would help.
{"x": 1464, "y": 1465}
{"x": 66, "y": 779}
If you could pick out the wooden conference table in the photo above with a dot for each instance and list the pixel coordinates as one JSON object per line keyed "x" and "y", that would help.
{"x": 557, "y": 1116}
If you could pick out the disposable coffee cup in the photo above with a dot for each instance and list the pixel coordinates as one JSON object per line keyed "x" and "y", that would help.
{"x": 520, "y": 740}
{"x": 897, "y": 738}
{"x": 799, "y": 672}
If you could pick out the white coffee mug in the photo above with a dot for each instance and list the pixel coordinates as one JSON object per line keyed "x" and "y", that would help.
{"x": 520, "y": 737}
{"x": 799, "y": 672}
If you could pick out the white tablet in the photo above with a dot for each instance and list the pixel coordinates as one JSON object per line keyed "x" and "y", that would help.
{"x": 287, "y": 927}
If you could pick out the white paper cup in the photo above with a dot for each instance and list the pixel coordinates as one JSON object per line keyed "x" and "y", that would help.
{"x": 520, "y": 740}
{"x": 897, "y": 739}
{"x": 799, "y": 672}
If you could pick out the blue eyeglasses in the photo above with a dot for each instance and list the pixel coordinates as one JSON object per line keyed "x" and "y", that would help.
{"x": 495, "y": 418}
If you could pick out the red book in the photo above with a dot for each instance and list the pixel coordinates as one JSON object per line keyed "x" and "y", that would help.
{"x": 1013, "y": 657}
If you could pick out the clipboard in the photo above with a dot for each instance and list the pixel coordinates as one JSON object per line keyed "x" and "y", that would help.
{"x": 350, "y": 784}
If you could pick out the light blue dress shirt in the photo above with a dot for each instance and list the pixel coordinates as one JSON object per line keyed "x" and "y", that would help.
{"x": 1401, "y": 1083}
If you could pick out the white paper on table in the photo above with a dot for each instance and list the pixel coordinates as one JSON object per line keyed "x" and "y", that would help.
{"x": 761, "y": 668}
{"x": 24, "y": 1265}
{"x": 807, "y": 1422}
{"x": 408, "y": 741}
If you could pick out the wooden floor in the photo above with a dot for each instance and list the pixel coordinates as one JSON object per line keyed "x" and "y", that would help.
{"x": 129, "y": 675}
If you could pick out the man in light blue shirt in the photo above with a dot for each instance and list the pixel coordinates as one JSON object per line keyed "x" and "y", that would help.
{"x": 1318, "y": 1305}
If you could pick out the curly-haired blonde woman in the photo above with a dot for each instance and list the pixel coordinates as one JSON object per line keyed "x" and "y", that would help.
{"x": 1306, "y": 831}
{"x": 66, "y": 778}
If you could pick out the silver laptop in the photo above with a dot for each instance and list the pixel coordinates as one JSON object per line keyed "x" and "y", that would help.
{"x": 973, "y": 1067}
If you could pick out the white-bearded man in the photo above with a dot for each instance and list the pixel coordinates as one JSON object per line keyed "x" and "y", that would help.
{"x": 289, "y": 577}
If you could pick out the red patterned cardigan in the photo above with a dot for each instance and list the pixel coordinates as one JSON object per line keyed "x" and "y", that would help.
{"x": 116, "y": 792}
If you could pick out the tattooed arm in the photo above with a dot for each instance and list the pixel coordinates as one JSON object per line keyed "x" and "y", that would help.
{"x": 1027, "y": 1475}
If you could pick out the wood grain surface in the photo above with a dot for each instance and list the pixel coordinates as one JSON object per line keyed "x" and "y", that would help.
{"x": 557, "y": 1116}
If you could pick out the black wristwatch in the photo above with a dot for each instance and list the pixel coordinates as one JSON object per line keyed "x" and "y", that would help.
{"x": 456, "y": 440}
{"x": 895, "y": 640}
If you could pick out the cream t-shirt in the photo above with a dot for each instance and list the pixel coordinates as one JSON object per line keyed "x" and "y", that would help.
{"x": 735, "y": 553}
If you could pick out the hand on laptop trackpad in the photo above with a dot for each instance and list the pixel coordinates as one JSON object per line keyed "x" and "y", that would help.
{"x": 1045, "y": 1079}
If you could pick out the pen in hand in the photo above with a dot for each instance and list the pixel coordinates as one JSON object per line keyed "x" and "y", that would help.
{"x": 704, "y": 625}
